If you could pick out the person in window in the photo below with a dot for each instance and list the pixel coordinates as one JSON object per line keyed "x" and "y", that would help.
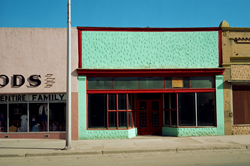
{"x": 43, "y": 112}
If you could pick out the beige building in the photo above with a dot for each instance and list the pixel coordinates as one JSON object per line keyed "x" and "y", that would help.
{"x": 33, "y": 82}
{"x": 236, "y": 61}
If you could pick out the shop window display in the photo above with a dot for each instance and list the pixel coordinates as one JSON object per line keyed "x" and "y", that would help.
{"x": 35, "y": 113}
{"x": 3, "y": 117}
{"x": 18, "y": 120}
{"x": 57, "y": 117}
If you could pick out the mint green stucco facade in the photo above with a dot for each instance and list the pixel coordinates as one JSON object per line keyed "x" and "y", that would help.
{"x": 96, "y": 134}
{"x": 149, "y": 50}
{"x": 204, "y": 131}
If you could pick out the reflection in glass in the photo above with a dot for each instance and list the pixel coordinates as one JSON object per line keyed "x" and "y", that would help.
{"x": 152, "y": 83}
{"x": 205, "y": 110}
{"x": 129, "y": 119}
{"x": 3, "y": 117}
{"x": 186, "y": 105}
{"x": 168, "y": 81}
{"x": 18, "y": 120}
{"x": 112, "y": 120}
{"x": 202, "y": 82}
{"x": 122, "y": 119}
{"x": 185, "y": 82}
{"x": 100, "y": 83}
{"x": 126, "y": 83}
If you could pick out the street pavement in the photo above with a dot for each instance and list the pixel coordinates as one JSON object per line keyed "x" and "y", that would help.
{"x": 139, "y": 144}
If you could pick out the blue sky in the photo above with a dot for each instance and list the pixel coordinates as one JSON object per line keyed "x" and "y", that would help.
{"x": 124, "y": 13}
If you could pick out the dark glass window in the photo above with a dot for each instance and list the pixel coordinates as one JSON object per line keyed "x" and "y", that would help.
{"x": 152, "y": 83}
{"x": 3, "y": 117}
{"x": 205, "y": 110}
{"x": 166, "y": 118}
{"x": 100, "y": 83}
{"x": 129, "y": 118}
{"x": 173, "y": 115}
{"x": 186, "y": 109}
{"x": 112, "y": 102}
{"x": 202, "y": 82}
{"x": 173, "y": 100}
{"x": 97, "y": 110}
{"x": 57, "y": 117}
{"x": 122, "y": 119}
{"x": 130, "y": 101}
{"x": 38, "y": 117}
{"x": 122, "y": 104}
{"x": 112, "y": 120}
{"x": 126, "y": 83}
{"x": 185, "y": 82}
{"x": 168, "y": 81}
{"x": 148, "y": 96}
{"x": 166, "y": 101}
{"x": 18, "y": 118}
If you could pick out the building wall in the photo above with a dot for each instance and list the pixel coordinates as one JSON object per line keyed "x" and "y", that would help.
{"x": 96, "y": 134}
{"x": 236, "y": 61}
{"x": 39, "y": 51}
{"x": 149, "y": 50}
{"x": 218, "y": 130}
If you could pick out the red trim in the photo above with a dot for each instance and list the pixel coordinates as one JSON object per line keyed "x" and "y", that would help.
{"x": 127, "y": 110}
{"x": 147, "y": 29}
{"x": 220, "y": 47}
{"x": 177, "y": 111}
{"x": 112, "y": 91}
{"x": 107, "y": 111}
{"x": 149, "y": 72}
{"x": 87, "y": 103}
{"x": 79, "y": 48}
{"x": 117, "y": 118}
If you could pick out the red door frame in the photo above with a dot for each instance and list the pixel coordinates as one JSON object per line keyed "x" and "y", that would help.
{"x": 149, "y": 130}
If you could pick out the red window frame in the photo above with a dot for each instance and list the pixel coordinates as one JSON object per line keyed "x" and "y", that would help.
{"x": 148, "y": 73}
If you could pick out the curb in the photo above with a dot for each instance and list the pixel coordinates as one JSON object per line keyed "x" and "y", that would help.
{"x": 242, "y": 147}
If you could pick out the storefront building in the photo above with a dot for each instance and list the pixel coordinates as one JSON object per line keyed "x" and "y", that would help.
{"x": 33, "y": 83}
{"x": 236, "y": 61}
{"x": 149, "y": 81}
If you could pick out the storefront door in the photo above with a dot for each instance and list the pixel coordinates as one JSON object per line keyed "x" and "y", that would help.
{"x": 148, "y": 117}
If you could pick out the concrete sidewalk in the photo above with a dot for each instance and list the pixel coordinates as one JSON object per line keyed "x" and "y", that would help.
{"x": 140, "y": 144}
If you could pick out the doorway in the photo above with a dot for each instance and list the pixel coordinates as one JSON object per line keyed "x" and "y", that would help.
{"x": 149, "y": 116}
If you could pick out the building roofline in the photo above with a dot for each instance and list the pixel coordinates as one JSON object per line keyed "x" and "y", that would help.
{"x": 147, "y": 29}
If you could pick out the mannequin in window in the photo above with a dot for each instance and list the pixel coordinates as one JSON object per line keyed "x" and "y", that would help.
{"x": 43, "y": 112}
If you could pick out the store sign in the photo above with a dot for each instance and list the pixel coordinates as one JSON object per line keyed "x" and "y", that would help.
{"x": 18, "y": 80}
{"x": 33, "y": 97}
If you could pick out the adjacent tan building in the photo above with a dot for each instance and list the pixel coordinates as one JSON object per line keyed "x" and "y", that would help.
{"x": 236, "y": 61}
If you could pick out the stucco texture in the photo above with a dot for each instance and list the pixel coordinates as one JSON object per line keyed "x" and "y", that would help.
{"x": 83, "y": 133}
{"x": 204, "y": 131}
{"x": 149, "y": 50}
